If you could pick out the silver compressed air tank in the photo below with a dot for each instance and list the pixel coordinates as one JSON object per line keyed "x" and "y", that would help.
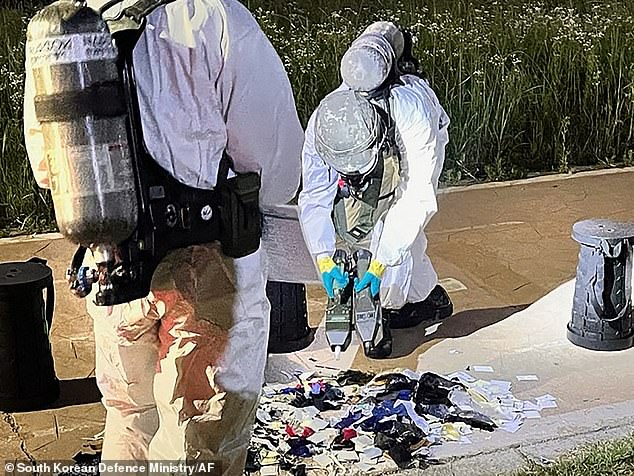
{"x": 80, "y": 104}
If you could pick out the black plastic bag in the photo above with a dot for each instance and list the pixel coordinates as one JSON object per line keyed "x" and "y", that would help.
{"x": 354, "y": 377}
{"x": 473, "y": 418}
{"x": 398, "y": 451}
{"x": 432, "y": 389}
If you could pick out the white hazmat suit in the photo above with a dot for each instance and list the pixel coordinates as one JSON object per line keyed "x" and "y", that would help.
{"x": 398, "y": 238}
{"x": 181, "y": 370}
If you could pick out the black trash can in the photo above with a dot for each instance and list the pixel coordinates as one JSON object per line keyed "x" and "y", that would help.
{"x": 27, "y": 373}
{"x": 602, "y": 304}
{"x": 289, "y": 331}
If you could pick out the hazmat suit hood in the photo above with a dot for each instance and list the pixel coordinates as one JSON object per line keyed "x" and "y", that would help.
{"x": 349, "y": 133}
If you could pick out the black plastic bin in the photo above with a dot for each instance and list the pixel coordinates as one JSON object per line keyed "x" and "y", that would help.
{"x": 602, "y": 304}
{"x": 27, "y": 373}
{"x": 289, "y": 331}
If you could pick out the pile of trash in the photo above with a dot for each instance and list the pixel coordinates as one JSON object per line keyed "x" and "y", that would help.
{"x": 86, "y": 460}
{"x": 382, "y": 422}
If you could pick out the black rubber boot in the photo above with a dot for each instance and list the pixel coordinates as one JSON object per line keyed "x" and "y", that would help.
{"x": 383, "y": 349}
{"x": 435, "y": 308}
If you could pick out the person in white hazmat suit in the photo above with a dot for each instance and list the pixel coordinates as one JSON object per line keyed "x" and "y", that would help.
{"x": 181, "y": 370}
{"x": 373, "y": 152}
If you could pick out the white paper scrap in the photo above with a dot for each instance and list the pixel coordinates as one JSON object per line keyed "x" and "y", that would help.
{"x": 548, "y": 396}
{"x": 306, "y": 375}
{"x": 546, "y": 404}
{"x": 481, "y": 387}
{"x": 362, "y": 442}
{"x": 323, "y": 460}
{"x": 263, "y": 442}
{"x": 462, "y": 376}
{"x": 527, "y": 378}
{"x": 435, "y": 426}
{"x": 503, "y": 386}
{"x": 323, "y": 435}
{"x": 532, "y": 414}
{"x": 312, "y": 412}
{"x": 454, "y": 352}
{"x": 518, "y": 406}
{"x": 346, "y": 455}
{"x": 262, "y": 415}
{"x": 432, "y": 329}
{"x": 418, "y": 420}
{"x": 270, "y": 470}
{"x": 364, "y": 467}
{"x": 411, "y": 374}
{"x": 482, "y": 368}
{"x": 317, "y": 424}
{"x": 506, "y": 401}
{"x": 511, "y": 426}
{"x": 372, "y": 453}
{"x": 530, "y": 406}
{"x": 269, "y": 391}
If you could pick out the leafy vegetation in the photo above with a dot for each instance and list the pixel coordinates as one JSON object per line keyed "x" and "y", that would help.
{"x": 530, "y": 86}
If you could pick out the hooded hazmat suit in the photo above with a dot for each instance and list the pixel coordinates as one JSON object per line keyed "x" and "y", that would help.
{"x": 181, "y": 370}
{"x": 398, "y": 239}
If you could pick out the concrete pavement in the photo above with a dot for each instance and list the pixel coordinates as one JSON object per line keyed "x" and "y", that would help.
{"x": 507, "y": 252}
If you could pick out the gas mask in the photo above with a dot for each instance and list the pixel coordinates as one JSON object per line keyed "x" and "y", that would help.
{"x": 359, "y": 184}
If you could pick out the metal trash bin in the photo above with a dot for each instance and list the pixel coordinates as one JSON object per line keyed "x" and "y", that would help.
{"x": 27, "y": 372}
{"x": 602, "y": 304}
{"x": 289, "y": 329}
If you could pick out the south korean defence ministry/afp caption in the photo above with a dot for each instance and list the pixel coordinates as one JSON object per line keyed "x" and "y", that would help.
{"x": 211, "y": 468}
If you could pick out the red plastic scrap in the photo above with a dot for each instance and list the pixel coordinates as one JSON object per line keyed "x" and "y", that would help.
{"x": 307, "y": 432}
{"x": 349, "y": 433}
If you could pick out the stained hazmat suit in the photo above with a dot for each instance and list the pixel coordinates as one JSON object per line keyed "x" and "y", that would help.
{"x": 345, "y": 139}
{"x": 181, "y": 370}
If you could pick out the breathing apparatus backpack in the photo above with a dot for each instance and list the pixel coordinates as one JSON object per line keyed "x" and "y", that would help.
{"x": 110, "y": 196}
{"x": 372, "y": 67}
{"x": 360, "y": 204}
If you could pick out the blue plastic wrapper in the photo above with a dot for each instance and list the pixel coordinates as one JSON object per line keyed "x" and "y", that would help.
{"x": 349, "y": 420}
{"x": 300, "y": 447}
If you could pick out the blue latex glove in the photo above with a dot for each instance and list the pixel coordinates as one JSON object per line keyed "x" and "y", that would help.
{"x": 331, "y": 275}
{"x": 372, "y": 278}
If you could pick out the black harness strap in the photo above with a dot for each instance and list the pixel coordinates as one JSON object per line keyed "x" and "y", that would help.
{"x": 99, "y": 100}
{"x": 137, "y": 11}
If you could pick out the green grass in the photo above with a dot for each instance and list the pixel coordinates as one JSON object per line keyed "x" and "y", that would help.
{"x": 531, "y": 86}
{"x": 23, "y": 206}
{"x": 612, "y": 458}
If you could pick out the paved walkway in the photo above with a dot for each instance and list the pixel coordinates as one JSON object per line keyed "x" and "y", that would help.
{"x": 504, "y": 249}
